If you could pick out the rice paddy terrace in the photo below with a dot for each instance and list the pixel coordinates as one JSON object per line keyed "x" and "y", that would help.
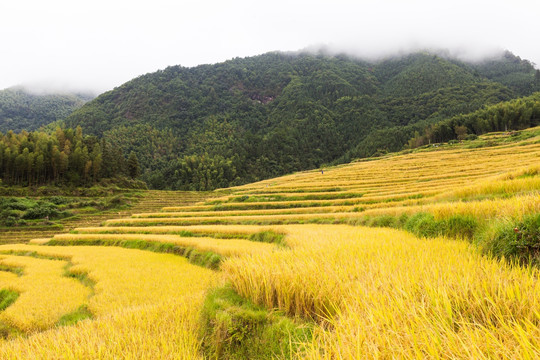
{"x": 148, "y": 201}
{"x": 396, "y": 257}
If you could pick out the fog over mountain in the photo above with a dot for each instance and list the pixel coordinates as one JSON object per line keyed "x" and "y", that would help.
{"x": 99, "y": 45}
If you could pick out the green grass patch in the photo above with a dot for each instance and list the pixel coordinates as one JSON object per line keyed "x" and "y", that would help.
{"x": 7, "y": 297}
{"x": 456, "y": 226}
{"x": 234, "y": 328}
{"x": 32, "y": 227}
{"x": 74, "y": 317}
{"x": 424, "y": 224}
{"x": 268, "y": 237}
{"x": 31, "y": 212}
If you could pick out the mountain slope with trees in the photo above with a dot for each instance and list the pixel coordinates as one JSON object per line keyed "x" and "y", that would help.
{"x": 21, "y": 109}
{"x": 252, "y": 118}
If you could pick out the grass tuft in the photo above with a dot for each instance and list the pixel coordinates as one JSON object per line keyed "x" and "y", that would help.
{"x": 234, "y": 328}
{"x": 72, "y": 318}
{"x": 7, "y": 297}
{"x": 268, "y": 237}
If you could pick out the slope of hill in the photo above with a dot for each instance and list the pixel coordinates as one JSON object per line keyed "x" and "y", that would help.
{"x": 253, "y": 118}
{"x": 23, "y": 110}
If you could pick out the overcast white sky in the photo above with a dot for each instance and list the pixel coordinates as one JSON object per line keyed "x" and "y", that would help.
{"x": 101, "y": 44}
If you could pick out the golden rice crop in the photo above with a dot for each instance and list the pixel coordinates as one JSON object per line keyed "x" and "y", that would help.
{"x": 387, "y": 294}
{"x": 145, "y": 304}
{"x": 46, "y": 293}
{"x": 165, "y": 331}
{"x": 39, "y": 241}
{"x": 514, "y": 207}
{"x": 311, "y": 210}
{"x": 196, "y": 229}
{"x": 229, "y": 247}
{"x": 373, "y": 293}
{"x": 494, "y": 187}
{"x": 230, "y": 219}
{"x": 126, "y": 277}
{"x": 482, "y": 162}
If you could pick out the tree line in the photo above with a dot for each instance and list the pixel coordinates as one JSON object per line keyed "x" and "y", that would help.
{"x": 64, "y": 157}
{"x": 505, "y": 116}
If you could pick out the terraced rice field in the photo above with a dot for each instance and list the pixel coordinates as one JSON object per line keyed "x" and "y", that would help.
{"x": 151, "y": 201}
{"x": 293, "y": 245}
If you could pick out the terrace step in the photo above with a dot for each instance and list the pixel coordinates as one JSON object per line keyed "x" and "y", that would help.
{"x": 152, "y": 201}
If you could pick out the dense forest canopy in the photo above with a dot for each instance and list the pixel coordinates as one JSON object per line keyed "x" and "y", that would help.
{"x": 252, "y": 118}
{"x": 20, "y": 109}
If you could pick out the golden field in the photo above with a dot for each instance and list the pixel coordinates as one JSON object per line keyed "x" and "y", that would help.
{"x": 368, "y": 292}
{"x": 139, "y": 299}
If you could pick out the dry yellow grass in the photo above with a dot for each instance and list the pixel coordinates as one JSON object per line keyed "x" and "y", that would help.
{"x": 278, "y": 218}
{"x": 423, "y": 166}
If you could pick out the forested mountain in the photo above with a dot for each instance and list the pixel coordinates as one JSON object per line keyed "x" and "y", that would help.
{"x": 21, "y": 109}
{"x": 252, "y": 118}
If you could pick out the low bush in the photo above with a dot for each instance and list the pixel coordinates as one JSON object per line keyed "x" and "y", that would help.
{"x": 512, "y": 239}
{"x": 459, "y": 226}
{"x": 456, "y": 226}
{"x": 234, "y": 328}
{"x": 422, "y": 224}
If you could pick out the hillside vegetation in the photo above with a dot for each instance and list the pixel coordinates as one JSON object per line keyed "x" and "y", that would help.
{"x": 21, "y": 109}
{"x": 65, "y": 157}
{"x": 249, "y": 119}
{"x": 441, "y": 263}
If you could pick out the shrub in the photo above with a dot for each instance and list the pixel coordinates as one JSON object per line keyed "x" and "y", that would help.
{"x": 519, "y": 240}
{"x": 59, "y": 200}
{"x": 422, "y": 224}
{"x": 235, "y": 328}
{"x": 459, "y": 226}
{"x": 41, "y": 211}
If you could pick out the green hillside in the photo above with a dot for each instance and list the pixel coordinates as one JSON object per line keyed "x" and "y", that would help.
{"x": 252, "y": 118}
{"x": 23, "y": 110}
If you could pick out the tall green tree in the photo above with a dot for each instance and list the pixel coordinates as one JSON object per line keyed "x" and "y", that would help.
{"x": 133, "y": 165}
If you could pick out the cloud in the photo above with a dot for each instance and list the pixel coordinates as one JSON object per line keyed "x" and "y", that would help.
{"x": 100, "y": 45}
